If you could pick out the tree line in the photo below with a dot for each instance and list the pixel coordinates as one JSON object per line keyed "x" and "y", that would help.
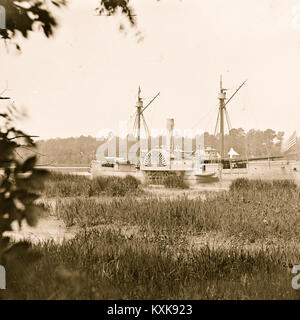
{"x": 80, "y": 151}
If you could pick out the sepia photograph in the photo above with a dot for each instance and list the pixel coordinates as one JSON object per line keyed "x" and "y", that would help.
{"x": 149, "y": 152}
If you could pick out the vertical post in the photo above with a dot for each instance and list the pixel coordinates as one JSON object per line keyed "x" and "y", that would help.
{"x": 222, "y": 129}
{"x": 222, "y": 97}
{"x": 182, "y": 148}
{"x": 139, "y": 107}
{"x": 170, "y": 137}
{"x": 127, "y": 148}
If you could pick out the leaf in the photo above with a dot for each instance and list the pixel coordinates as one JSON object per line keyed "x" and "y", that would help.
{"x": 41, "y": 173}
{"x": 4, "y": 242}
{"x": 33, "y": 182}
{"x": 18, "y": 248}
{"x": 23, "y": 253}
{"x": 28, "y": 198}
{"x": 32, "y": 214}
{"x": 29, "y": 164}
{"x": 5, "y": 225}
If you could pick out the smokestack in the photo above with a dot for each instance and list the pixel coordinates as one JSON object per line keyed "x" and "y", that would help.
{"x": 170, "y": 129}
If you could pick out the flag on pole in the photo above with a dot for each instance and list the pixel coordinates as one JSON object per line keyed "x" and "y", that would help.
{"x": 232, "y": 153}
{"x": 291, "y": 141}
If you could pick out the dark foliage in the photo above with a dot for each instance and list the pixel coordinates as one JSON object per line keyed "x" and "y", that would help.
{"x": 20, "y": 184}
{"x": 25, "y": 16}
{"x": 22, "y": 17}
{"x": 112, "y": 7}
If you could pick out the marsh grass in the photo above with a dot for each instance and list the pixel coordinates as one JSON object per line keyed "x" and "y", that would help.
{"x": 241, "y": 184}
{"x": 68, "y": 185}
{"x": 157, "y": 261}
{"x": 106, "y": 265}
{"x": 175, "y": 181}
{"x": 268, "y": 214}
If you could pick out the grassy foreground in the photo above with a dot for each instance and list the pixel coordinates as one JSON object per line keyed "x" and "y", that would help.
{"x": 106, "y": 265}
{"x": 137, "y": 248}
{"x": 67, "y": 185}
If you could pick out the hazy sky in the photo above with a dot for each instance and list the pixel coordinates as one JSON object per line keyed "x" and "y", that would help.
{"x": 86, "y": 78}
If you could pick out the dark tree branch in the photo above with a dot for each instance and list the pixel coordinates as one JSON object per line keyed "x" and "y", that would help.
{"x": 112, "y": 7}
{"x": 22, "y": 136}
{"x": 23, "y": 16}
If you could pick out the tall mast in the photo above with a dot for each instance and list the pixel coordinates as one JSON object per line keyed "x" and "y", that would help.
{"x": 140, "y": 117}
{"x": 139, "y": 107}
{"x": 222, "y": 97}
{"x": 222, "y": 111}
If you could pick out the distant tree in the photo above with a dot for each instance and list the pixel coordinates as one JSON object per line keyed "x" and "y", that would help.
{"x": 264, "y": 143}
{"x": 251, "y": 144}
{"x": 236, "y": 139}
{"x": 210, "y": 140}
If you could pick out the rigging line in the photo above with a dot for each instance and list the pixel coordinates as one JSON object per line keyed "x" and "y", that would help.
{"x": 217, "y": 123}
{"x": 144, "y": 108}
{"x": 135, "y": 125}
{"x": 207, "y": 114}
{"x": 46, "y": 165}
{"x": 130, "y": 117}
{"x": 36, "y": 152}
{"x": 18, "y": 154}
{"x": 4, "y": 90}
{"x": 146, "y": 126}
{"x": 209, "y": 121}
{"x": 129, "y": 122}
{"x": 257, "y": 120}
{"x": 250, "y": 113}
{"x": 236, "y": 91}
{"x": 228, "y": 120}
